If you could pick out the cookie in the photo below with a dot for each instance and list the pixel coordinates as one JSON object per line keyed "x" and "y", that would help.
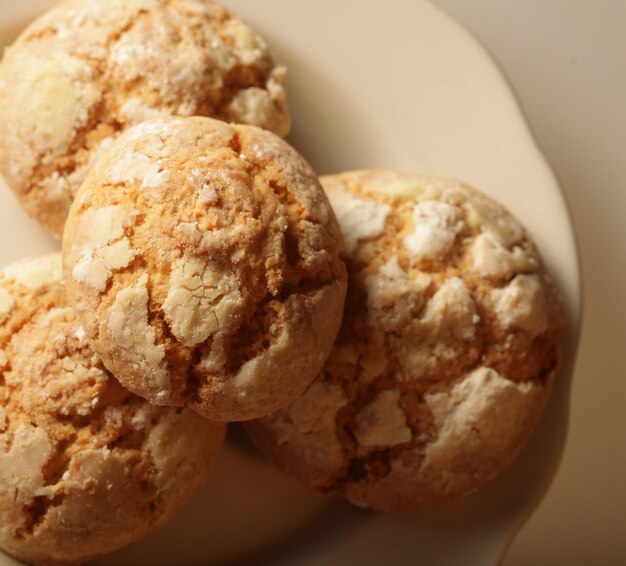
{"x": 85, "y": 466}
{"x": 203, "y": 261}
{"x": 445, "y": 357}
{"x": 88, "y": 69}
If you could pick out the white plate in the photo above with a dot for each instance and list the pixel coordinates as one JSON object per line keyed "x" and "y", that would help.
{"x": 372, "y": 84}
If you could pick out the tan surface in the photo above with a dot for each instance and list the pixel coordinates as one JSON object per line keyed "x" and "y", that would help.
{"x": 88, "y": 69}
{"x": 202, "y": 259}
{"x": 446, "y": 354}
{"x": 85, "y": 466}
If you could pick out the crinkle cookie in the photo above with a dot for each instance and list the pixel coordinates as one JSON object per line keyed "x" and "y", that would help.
{"x": 203, "y": 261}
{"x": 88, "y": 69}
{"x": 85, "y": 466}
{"x": 446, "y": 355}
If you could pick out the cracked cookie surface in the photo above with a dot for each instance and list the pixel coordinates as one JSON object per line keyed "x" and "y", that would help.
{"x": 88, "y": 69}
{"x": 445, "y": 357}
{"x": 85, "y": 466}
{"x": 203, "y": 261}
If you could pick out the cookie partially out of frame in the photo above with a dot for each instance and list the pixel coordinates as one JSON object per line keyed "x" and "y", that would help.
{"x": 85, "y": 466}
{"x": 203, "y": 261}
{"x": 446, "y": 355}
{"x": 87, "y": 70}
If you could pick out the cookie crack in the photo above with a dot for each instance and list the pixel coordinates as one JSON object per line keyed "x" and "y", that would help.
{"x": 35, "y": 513}
{"x": 99, "y": 115}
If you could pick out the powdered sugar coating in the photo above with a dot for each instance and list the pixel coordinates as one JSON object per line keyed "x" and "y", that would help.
{"x": 382, "y": 422}
{"x": 88, "y": 69}
{"x": 443, "y": 364}
{"x": 436, "y": 225}
{"x": 360, "y": 218}
{"x": 233, "y": 293}
{"x": 85, "y": 465}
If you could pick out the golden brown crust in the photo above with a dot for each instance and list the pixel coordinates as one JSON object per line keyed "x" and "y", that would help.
{"x": 88, "y": 69}
{"x": 446, "y": 354}
{"x": 85, "y": 466}
{"x": 203, "y": 261}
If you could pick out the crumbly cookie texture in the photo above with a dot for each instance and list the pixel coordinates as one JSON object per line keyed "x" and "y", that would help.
{"x": 88, "y": 69}
{"x": 445, "y": 357}
{"x": 85, "y": 466}
{"x": 203, "y": 261}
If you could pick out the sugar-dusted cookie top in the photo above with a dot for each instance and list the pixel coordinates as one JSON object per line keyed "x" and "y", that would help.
{"x": 85, "y": 466}
{"x": 203, "y": 261}
{"x": 88, "y": 69}
{"x": 446, "y": 353}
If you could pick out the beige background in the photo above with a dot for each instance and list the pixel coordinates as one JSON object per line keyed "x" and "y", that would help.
{"x": 567, "y": 61}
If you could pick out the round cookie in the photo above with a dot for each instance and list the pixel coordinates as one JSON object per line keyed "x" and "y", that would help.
{"x": 203, "y": 261}
{"x": 445, "y": 357}
{"x": 88, "y": 69}
{"x": 85, "y": 466}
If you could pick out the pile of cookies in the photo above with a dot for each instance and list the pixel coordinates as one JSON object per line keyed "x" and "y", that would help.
{"x": 387, "y": 337}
